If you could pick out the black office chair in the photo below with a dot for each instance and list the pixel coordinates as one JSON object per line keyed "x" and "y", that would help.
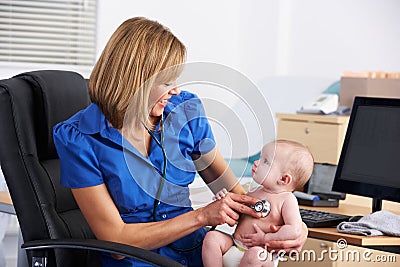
{"x": 53, "y": 228}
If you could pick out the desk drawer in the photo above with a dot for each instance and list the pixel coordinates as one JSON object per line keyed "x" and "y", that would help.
{"x": 324, "y": 140}
{"x": 310, "y": 255}
{"x": 320, "y": 253}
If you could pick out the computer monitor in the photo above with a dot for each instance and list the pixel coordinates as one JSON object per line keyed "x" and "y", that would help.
{"x": 369, "y": 163}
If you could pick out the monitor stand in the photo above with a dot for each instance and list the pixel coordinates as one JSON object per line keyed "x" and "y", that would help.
{"x": 376, "y": 204}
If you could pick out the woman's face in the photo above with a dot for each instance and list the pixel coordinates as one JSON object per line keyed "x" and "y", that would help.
{"x": 159, "y": 96}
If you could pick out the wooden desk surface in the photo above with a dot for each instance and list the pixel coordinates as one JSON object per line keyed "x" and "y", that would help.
{"x": 314, "y": 118}
{"x": 5, "y": 197}
{"x": 6, "y": 204}
{"x": 332, "y": 234}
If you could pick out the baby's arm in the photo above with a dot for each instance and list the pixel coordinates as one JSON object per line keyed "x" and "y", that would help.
{"x": 293, "y": 226}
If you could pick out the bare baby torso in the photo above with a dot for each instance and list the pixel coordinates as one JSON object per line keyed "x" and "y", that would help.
{"x": 246, "y": 222}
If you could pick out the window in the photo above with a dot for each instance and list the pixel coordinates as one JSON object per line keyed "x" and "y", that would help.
{"x": 51, "y": 32}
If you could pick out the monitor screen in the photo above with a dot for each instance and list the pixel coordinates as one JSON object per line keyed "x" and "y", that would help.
{"x": 369, "y": 163}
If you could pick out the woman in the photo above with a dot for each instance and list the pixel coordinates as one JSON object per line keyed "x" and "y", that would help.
{"x": 112, "y": 153}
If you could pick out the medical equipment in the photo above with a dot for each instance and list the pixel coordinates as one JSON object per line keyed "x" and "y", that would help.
{"x": 160, "y": 143}
{"x": 262, "y": 206}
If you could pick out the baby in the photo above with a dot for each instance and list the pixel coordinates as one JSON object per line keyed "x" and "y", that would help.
{"x": 283, "y": 166}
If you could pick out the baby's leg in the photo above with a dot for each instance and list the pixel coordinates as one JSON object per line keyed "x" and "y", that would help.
{"x": 215, "y": 244}
{"x": 257, "y": 257}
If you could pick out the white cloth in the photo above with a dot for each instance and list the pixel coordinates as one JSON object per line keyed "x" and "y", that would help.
{"x": 235, "y": 254}
{"x": 232, "y": 257}
{"x": 378, "y": 223}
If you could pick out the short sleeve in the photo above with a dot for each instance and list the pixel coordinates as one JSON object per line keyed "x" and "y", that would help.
{"x": 203, "y": 137}
{"x": 79, "y": 164}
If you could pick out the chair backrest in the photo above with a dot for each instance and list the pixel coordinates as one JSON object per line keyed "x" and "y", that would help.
{"x": 30, "y": 105}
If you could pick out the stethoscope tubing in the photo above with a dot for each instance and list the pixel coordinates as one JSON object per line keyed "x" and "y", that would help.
{"x": 161, "y": 144}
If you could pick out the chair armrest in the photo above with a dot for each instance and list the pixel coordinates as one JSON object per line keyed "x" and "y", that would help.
{"x": 103, "y": 246}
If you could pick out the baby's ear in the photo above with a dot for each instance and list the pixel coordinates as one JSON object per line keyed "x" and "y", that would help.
{"x": 285, "y": 179}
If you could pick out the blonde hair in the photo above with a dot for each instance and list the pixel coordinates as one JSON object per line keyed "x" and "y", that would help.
{"x": 300, "y": 162}
{"x": 137, "y": 51}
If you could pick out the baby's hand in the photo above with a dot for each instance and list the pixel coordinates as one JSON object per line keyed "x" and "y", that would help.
{"x": 256, "y": 239}
{"x": 221, "y": 194}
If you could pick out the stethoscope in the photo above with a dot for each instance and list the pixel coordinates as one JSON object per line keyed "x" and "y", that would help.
{"x": 160, "y": 143}
{"x": 262, "y": 206}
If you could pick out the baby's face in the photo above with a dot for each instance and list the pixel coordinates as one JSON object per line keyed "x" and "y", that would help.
{"x": 268, "y": 169}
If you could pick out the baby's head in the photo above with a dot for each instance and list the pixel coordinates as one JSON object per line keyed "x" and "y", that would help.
{"x": 284, "y": 166}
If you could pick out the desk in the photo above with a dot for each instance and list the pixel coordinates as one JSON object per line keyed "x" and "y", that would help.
{"x": 201, "y": 195}
{"x": 365, "y": 251}
{"x": 7, "y": 207}
{"x": 322, "y": 134}
{"x": 331, "y": 234}
{"x": 6, "y": 203}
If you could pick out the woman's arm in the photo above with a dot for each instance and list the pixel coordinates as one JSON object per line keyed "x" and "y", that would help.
{"x": 214, "y": 170}
{"x": 105, "y": 221}
{"x": 288, "y": 245}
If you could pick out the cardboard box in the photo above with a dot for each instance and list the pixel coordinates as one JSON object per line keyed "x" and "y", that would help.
{"x": 372, "y": 87}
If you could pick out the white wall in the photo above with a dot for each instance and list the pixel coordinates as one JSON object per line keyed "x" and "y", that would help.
{"x": 208, "y": 28}
{"x": 291, "y": 49}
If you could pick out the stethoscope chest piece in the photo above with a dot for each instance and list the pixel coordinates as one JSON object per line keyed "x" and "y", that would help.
{"x": 262, "y": 206}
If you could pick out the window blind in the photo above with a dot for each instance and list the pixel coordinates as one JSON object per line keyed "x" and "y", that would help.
{"x": 52, "y": 31}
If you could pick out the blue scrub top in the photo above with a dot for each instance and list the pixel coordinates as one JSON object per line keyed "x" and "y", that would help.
{"x": 92, "y": 153}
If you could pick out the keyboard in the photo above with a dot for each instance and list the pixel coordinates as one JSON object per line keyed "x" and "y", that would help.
{"x": 314, "y": 218}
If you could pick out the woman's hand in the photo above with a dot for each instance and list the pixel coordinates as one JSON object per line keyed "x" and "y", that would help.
{"x": 227, "y": 210}
{"x": 294, "y": 244}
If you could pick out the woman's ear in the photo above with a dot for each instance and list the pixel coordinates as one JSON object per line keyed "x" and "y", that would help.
{"x": 285, "y": 179}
